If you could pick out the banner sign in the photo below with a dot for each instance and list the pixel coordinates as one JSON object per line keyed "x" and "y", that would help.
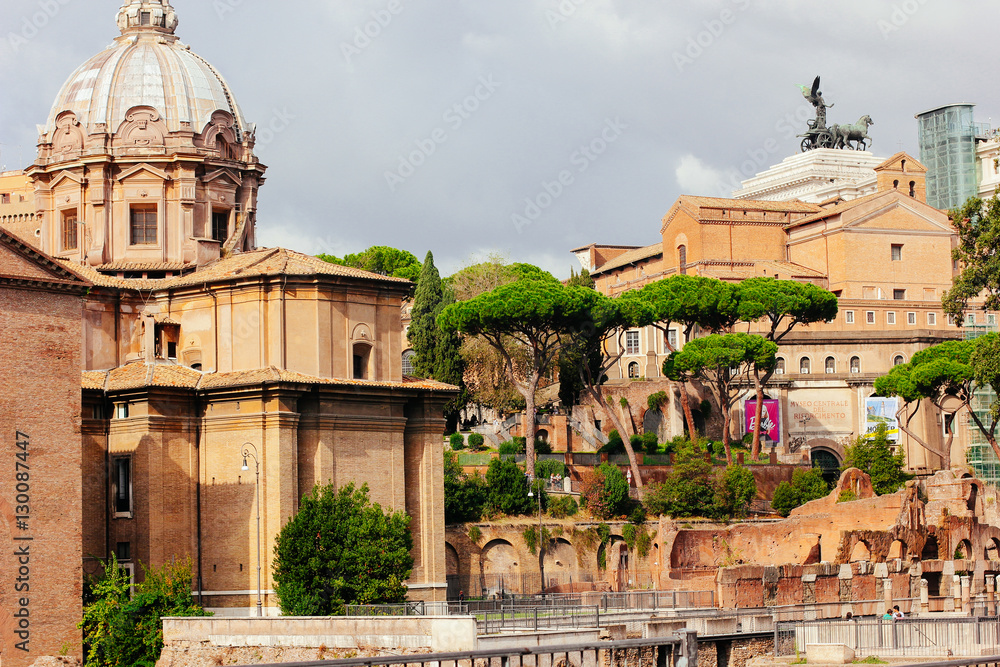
{"x": 882, "y": 411}
{"x": 770, "y": 419}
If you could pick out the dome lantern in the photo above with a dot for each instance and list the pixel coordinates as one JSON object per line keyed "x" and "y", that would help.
{"x": 147, "y": 16}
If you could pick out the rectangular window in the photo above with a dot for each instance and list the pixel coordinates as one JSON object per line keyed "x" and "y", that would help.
{"x": 631, "y": 342}
{"x": 951, "y": 320}
{"x": 145, "y": 18}
{"x": 890, "y": 317}
{"x": 869, "y": 293}
{"x": 70, "y": 240}
{"x": 870, "y": 317}
{"x": 123, "y": 551}
{"x": 121, "y": 471}
{"x": 911, "y": 318}
{"x": 932, "y": 319}
{"x": 899, "y": 294}
{"x": 4, "y": 199}
{"x": 220, "y": 226}
{"x": 897, "y": 252}
{"x": 171, "y": 350}
{"x": 121, "y": 411}
{"x": 970, "y": 319}
{"x": 849, "y": 316}
{"x": 672, "y": 339}
{"x": 991, "y": 320}
{"x": 143, "y": 219}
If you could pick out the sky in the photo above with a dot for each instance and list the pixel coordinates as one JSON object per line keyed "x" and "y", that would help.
{"x": 524, "y": 128}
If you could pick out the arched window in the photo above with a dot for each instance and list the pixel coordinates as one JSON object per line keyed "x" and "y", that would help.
{"x": 362, "y": 356}
{"x": 779, "y": 367}
{"x": 895, "y": 185}
{"x": 831, "y": 365}
{"x": 682, "y": 259}
{"x": 805, "y": 366}
{"x": 633, "y": 371}
{"x": 898, "y": 360}
{"x": 913, "y": 188}
{"x": 408, "y": 358}
{"x": 903, "y": 166}
{"x": 855, "y": 364}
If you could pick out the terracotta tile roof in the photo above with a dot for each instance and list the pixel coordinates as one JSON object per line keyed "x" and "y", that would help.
{"x": 756, "y": 269}
{"x": 144, "y": 266}
{"x": 631, "y": 257}
{"x": 138, "y": 375}
{"x": 837, "y": 209}
{"x": 264, "y": 262}
{"x": 605, "y": 245}
{"x": 59, "y": 273}
{"x": 750, "y": 204}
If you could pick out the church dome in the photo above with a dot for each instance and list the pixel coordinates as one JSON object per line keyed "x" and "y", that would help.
{"x": 146, "y": 66}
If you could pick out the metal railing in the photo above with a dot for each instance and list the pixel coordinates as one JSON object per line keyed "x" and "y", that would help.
{"x": 984, "y": 661}
{"x": 950, "y": 635}
{"x": 537, "y": 618}
{"x": 659, "y": 651}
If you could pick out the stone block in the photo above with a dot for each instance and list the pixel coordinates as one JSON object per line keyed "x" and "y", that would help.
{"x": 829, "y": 654}
{"x": 662, "y": 628}
{"x": 616, "y": 632}
{"x": 845, "y": 571}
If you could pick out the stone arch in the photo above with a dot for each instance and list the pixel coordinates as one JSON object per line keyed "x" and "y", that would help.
{"x": 963, "y": 550}
{"x": 362, "y": 332}
{"x": 992, "y": 549}
{"x": 542, "y": 434}
{"x": 221, "y": 127}
{"x": 561, "y": 564}
{"x": 973, "y": 498}
{"x": 827, "y": 459}
{"x": 451, "y": 559}
{"x": 500, "y": 566}
{"x": 897, "y": 550}
{"x": 861, "y": 552}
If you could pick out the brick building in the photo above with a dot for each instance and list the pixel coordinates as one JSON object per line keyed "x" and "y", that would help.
{"x": 41, "y": 325}
{"x": 886, "y": 255}
{"x": 197, "y": 344}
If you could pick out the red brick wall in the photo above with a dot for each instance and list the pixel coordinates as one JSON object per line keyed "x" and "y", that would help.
{"x": 40, "y": 364}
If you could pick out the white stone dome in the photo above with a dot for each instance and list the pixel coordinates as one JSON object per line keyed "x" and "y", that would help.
{"x": 146, "y": 66}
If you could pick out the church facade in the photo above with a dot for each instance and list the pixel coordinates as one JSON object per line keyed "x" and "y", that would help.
{"x": 198, "y": 346}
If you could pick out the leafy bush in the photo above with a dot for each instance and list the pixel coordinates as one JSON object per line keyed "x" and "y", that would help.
{"x": 804, "y": 487}
{"x": 688, "y": 491}
{"x": 341, "y": 549}
{"x": 561, "y": 507}
{"x": 475, "y": 534}
{"x": 542, "y": 446}
{"x": 847, "y": 496}
{"x": 638, "y": 515}
{"x": 457, "y": 441}
{"x": 507, "y": 491}
{"x": 477, "y": 442}
{"x": 657, "y": 400}
{"x": 122, "y": 628}
{"x": 511, "y": 447}
{"x": 464, "y": 495}
{"x": 718, "y": 449}
{"x": 545, "y": 469}
{"x": 737, "y": 489}
{"x": 650, "y": 444}
{"x": 615, "y": 444}
{"x": 605, "y": 491}
{"x": 874, "y": 456}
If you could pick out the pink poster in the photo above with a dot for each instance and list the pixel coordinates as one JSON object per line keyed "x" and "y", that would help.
{"x": 770, "y": 419}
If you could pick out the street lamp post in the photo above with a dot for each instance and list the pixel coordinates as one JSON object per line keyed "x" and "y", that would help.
{"x": 541, "y": 548}
{"x": 250, "y": 451}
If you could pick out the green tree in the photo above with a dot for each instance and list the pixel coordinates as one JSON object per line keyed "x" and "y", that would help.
{"x": 806, "y": 485}
{"x": 689, "y": 489}
{"x": 873, "y": 455}
{"x": 341, "y": 549}
{"x": 381, "y": 259}
{"x": 719, "y": 361}
{"x": 122, "y": 628}
{"x": 781, "y": 305}
{"x": 688, "y": 301}
{"x": 986, "y": 372}
{"x": 605, "y": 492}
{"x": 978, "y": 226}
{"x": 582, "y": 279}
{"x": 737, "y": 489}
{"x": 507, "y": 488}
{"x": 424, "y": 332}
{"x": 532, "y": 315}
{"x": 465, "y": 496}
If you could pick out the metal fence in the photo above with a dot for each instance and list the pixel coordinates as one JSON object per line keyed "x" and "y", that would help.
{"x": 537, "y": 618}
{"x": 662, "y": 652}
{"x": 984, "y": 661}
{"x": 961, "y": 636}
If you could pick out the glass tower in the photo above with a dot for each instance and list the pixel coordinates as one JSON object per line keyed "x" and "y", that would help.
{"x": 948, "y": 150}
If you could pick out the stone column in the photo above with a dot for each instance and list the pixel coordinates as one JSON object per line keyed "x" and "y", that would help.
{"x": 956, "y": 594}
{"x": 990, "y": 595}
{"x": 966, "y": 594}
{"x": 925, "y": 600}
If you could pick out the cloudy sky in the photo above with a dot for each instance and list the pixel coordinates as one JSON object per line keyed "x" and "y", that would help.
{"x": 525, "y": 127}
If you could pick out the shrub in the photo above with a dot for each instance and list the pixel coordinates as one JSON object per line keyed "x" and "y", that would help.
{"x": 847, "y": 496}
{"x": 511, "y": 447}
{"x": 507, "y": 491}
{"x": 475, "y": 534}
{"x": 545, "y": 469}
{"x": 718, "y": 449}
{"x": 561, "y": 507}
{"x": 464, "y": 495}
{"x": 737, "y": 489}
{"x": 457, "y": 441}
{"x": 122, "y": 627}
{"x": 874, "y": 456}
{"x": 605, "y": 491}
{"x": 657, "y": 400}
{"x": 650, "y": 443}
{"x": 804, "y": 487}
{"x": 638, "y": 515}
{"x": 615, "y": 444}
{"x": 688, "y": 491}
{"x": 542, "y": 446}
{"x": 477, "y": 442}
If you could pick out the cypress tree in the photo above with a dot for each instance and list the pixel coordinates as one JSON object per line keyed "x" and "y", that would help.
{"x": 427, "y": 304}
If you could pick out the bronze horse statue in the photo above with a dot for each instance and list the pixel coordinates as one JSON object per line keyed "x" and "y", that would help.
{"x": 843, "y": 135}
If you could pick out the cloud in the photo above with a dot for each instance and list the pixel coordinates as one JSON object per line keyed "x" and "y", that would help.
{"x": 697, "y": 178}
